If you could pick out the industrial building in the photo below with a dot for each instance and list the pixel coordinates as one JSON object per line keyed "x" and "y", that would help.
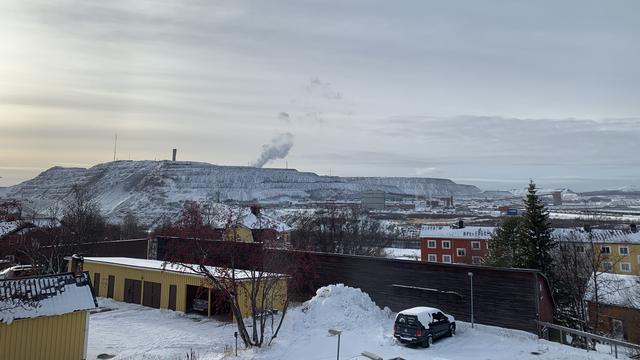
{"x": 373, "y": 200}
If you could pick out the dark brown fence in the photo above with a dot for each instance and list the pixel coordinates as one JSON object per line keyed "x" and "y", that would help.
{"x": 512, "y": 298}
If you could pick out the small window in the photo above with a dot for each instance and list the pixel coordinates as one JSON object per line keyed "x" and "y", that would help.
{"x": 446, "y": 259}
{"x": 475, "y": 245}
{"x": 607, "y": 266}
{"x": 446, "y": 244}
{"x": 580, "y": 248}
{"x": 623, "y": 250}
{"x": 431, "y": 244}
{"x": 625, "y": 267}
{"x": 432, "y": 258}
{"x": 605, "y": 250}
{"x": 638, "y": 259}
{"x": 461, "y": 252}
{"x": 477, "y": 260}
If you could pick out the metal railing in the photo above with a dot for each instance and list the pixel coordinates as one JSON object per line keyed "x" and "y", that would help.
{"x": 543, "y": 327}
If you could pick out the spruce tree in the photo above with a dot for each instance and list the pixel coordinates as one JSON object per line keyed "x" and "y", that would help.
{"x": 536, "y": 233}
{"x": 505, "y": 248}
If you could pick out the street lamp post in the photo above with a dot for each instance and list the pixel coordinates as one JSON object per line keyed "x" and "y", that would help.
{"x": 471, "y": 280}
{"x": 333, "y": 333}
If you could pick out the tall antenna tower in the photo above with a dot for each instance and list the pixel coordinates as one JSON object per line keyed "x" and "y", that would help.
{"x": 115, "y": 146}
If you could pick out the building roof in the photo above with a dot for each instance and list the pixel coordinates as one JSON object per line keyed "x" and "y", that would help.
{"x": 616, "y": 289}
{"x": 158, "y": 265}
{"x": 7, "y": 227}
{"x": 596, "y": 235}
{"x": 45, "y": 295}
{"x": 263, "y": 221}
{"x": 560, "y": 234}
{"x": 449, "y": 232}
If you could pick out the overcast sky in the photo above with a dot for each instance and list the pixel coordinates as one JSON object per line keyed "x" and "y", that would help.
{"x": 490, "y": 93}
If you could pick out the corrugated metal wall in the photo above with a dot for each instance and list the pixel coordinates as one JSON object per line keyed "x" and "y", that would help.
{"x": 49, "y": 337}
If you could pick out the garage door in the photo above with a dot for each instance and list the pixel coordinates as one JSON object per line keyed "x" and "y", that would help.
{"x": 151, "y": 294}
{"x": 132, "y": 290}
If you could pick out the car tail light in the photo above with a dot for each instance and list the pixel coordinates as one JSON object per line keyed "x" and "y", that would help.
{"x": 418, "y": 332}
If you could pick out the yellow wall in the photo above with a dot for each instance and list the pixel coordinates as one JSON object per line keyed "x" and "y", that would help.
{"x": 166, "y": 278}
{"x": 49, "y": 337}
{"x": 239, "y": 233}
{"x": 615, "y": 258}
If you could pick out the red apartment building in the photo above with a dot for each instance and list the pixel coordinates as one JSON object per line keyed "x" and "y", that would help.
{"x": 454, "y": 244}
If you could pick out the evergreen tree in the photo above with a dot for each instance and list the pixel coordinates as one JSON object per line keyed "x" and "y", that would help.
{"x": 505, "y": 246}
{"x": 536, "y": 233}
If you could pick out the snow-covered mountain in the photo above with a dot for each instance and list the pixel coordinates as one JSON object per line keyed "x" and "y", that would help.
{"x": 153, "y": 189}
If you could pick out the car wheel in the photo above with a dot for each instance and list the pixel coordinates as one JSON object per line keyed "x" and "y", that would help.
{"x": 428, "y": 342}
{"x": 452, "y": 331}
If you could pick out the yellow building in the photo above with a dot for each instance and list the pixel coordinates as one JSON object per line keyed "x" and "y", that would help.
{"x": 616, "y": 251}
{"x": 157, "y": 284}
{"x": 54, "y": 325}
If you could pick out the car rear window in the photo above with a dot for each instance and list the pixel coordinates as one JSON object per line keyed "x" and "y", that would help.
{"x": 409, "y": 320}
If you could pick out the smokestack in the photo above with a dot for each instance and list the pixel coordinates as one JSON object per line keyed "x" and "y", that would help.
{"x": 175, "y": 151}
{"x": 77, "y": 265}
{"x": 633, "y": 227}
{"x": 461, "y": 224}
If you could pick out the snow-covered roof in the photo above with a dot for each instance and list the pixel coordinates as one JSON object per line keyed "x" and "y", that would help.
{"x": 45, "y": 295}
{"x": 423, "y": 313}
{"x": 7, "y": 227}
{"x": 263, "y": 222}
{"x": 561, "y": 234}
{"x": 597, "y": 235}
{"x": 159, "y": 265}
{"x": 449, "y": 232}
{"x": 616, "y": 289}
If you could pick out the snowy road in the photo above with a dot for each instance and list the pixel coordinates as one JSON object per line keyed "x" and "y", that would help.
{"x": 135, "y": 332}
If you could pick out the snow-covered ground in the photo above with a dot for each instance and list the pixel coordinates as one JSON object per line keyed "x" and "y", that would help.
{"x": 407, "y": 254}
{"x": 135, "y": 332}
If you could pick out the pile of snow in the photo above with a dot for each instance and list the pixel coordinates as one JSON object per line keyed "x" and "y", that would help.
{"x": 340, "y": 307}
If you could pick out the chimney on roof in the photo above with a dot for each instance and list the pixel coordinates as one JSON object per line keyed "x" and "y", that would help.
{"x": 77, "y": 265}
{"x": 175, "y": 152}
{"x": 255, "y": 210}
{"x": 633, "y": 227}
{"x": 460, "y": 224}
{"x": 587, "y": 228}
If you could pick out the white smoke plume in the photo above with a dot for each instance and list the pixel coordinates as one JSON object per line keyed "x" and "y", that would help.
{"x": 277, "y": 149}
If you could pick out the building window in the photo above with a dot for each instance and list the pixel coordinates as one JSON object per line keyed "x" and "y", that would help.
{"x": 460, "y": 252}
{"x": 607, "y": 266}
{"x": 432, "y": 258}
{"x": 579, "y": 248}
{"x": 605, "y": 250}
{"x": 638, "y": 259}
{"x": 623, "y": 250}
{"x": 475, "y": 245}
{"x": 446, "y": 259}
{"x": 431, "y": 244}
{"x": 446, "y": 244}
{"x": 477, "y": 260}
{"x": 625, "y": 267}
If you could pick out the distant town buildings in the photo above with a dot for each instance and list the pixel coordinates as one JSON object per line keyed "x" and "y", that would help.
{"x": 374, "y": 200}
{"x": 618, "y": 250}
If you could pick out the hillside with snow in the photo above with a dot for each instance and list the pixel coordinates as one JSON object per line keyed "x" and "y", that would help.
{"x": 156, "y": 189}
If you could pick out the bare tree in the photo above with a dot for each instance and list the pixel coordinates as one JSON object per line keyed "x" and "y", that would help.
{"x": 340, "y": 230}
{"x": 252, "y": 272}
{"x": 82, "y": 220}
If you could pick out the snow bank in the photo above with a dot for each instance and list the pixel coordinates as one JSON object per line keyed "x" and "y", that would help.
{"x": 340, "y": 307}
